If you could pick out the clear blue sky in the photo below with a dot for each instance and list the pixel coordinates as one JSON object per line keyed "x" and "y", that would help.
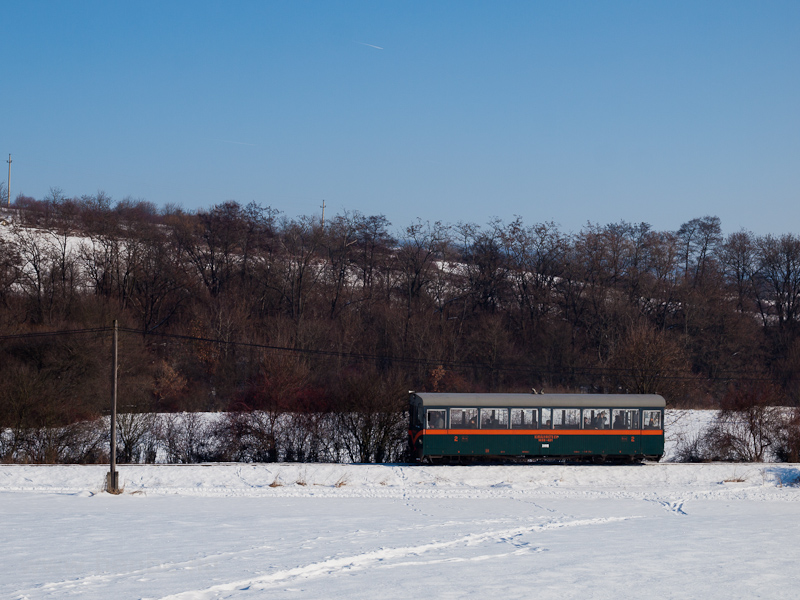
{"x": 452, "y": 111}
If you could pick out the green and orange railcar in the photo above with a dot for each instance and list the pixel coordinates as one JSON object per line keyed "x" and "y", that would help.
{"x": 471, "y": 427}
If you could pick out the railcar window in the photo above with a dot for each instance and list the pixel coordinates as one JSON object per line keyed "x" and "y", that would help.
{"x": 547, "y": 418}
{"x": 524, "y": 418}
{"x": 494, "y": 418}
{"x": 651, "y": 419}
{"x": 566, "y": 418}
{"x": 625, "y": 419}
{"x": 463, "y": 418}
{"x": 436, "y": 419}
{"x": 596, "y": 418}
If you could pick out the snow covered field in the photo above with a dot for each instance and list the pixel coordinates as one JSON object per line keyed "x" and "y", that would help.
{"x": 375, "y": 531}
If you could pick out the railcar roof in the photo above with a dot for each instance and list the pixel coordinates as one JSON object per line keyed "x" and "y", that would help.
{"x": 572, "y": 400}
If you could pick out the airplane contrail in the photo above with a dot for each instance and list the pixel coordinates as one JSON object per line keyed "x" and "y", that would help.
{"x": 370, "y": 45}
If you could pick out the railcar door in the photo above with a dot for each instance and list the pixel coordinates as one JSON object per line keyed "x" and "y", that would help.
{"x": 434, "y": 437}
{"x": 625, "y": 439}
{"x": 653, "y": 432}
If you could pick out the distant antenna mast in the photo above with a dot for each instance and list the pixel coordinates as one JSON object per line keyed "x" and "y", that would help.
{"x": 8, "y": 186}
{"x": 323, "y": 208}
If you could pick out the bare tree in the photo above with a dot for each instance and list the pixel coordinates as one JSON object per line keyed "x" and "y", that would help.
{"x": 10, "y": 269}
{"x": 779, "y": 279}
{"x": 738, "y": 256}
{"x": 699, "y": 239}
{"x": 301, "y": 242}
{"x": 339, "y": 240}
{"x": 647, "y": 361}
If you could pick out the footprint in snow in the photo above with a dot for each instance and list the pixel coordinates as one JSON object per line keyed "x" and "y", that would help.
{"x": 674, "y": 507}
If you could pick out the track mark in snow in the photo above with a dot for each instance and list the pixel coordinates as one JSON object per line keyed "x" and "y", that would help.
{"x": 185, "y": 565}
{"x": 458, "y": 559}
{"x": 376, "y": 558}
{"x": 537, "y": 505}
{"x": 675, "y": 508}
{"x": 242, "y": 479}
{"x": 400, "y": 472}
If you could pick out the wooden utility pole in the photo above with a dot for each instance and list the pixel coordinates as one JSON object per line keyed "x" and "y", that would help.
{"x": 112, "y": 480}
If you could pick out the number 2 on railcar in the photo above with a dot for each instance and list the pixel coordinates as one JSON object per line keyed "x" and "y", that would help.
{"x": 469, "y": 427}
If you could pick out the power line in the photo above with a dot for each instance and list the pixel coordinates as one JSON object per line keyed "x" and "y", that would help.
{"x": 40, "y": 334}
{"x": 678, "y": 375}
{"x": 452, "y": 365}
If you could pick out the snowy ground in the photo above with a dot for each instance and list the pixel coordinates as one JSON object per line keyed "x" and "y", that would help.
{"x": 374, "y": 531}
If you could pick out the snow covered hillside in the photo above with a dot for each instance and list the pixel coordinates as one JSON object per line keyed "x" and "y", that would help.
{"x": 390, "y": 531}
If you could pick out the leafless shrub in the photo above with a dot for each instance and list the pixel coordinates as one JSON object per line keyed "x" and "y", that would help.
{"x": 693, "y": 449}
{"x": 247, "y": 436}
{"x": 270, "y": 436}
{"x": 741, "y": 435}
{"x": 5, "y": 445}
{"x": 370, "y": 422}
{"x": 186, "y": 438}
{"x": 786, "y": 442}
{"x": 79, "y": 443}
{"x": 748, "y": 428}
{"x": 137, "y": 437}
{"x": 294, "y": 438}
{"x": 309, "y": 436}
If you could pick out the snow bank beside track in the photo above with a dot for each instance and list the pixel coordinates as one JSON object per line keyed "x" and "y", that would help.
{"x": 748, "y": 480}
